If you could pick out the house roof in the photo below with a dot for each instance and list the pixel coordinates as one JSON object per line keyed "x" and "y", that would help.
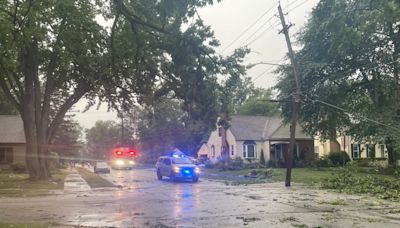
{"x": 262, "y": 128}
{"x": 12, "y": 129}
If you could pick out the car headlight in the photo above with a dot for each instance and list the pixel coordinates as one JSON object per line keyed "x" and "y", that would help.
{"x": 197, "y": 170}
{"x": 177, "y": 169}
{"x": 131, "y": 162}
{"x": 119, "y": 162}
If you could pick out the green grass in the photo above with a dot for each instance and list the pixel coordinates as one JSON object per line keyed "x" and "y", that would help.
{"x": 306, "y": 176}
{"x": 94, "y": 180}
{"x": 17, "y": 185}
{"x": 23, "y": 225}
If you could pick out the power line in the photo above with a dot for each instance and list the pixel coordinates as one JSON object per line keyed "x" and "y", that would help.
{"x": 248, "y": 28}
{"x": 297, "y": 6}
{"x": 262, "y": 33}
{"x": 352, "y": 114}
{"x": 257, "y": 30}
{"x": 269, "y": 68}
{"x": 265, "y": 71}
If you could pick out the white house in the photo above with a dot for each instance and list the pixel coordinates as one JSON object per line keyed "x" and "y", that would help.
{"x": 248, "y": 136}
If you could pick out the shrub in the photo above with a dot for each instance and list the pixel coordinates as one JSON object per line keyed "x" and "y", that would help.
{"x": 321, "y": 163}
{"x": 18, "y": 167}
{"x": 339, "y": 158}
{"x": 363, "y": 162}
{"x": 300, "y": 163}
{"x": 370, "y": 162}
{"x": 272, "y": 164}
{"x": 262, "y": 158}
{"x": 230, "y": 164}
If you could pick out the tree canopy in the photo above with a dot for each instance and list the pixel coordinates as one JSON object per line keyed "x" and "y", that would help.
{"x": 259, "y": 104}
{"x": 102, "y": 137}
{"x": 349, "y": 63}
{"x": 53, "y": 53}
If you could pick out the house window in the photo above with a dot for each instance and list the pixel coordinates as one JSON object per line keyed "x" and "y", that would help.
{"x": 370, "y": 151}
{"x": 355, "y": 150}
{"x": 6, "y": 155}
{"x": 212, "y": 151}
{"x": 382, "y": 150}
{"x": 249, "y": 149}
{"x": 232, "y": 151}
{"x": 316, "y": 152}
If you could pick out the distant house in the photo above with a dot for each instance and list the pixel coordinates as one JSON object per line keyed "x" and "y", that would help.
{"x": 354, "y": 149}
{"x": 12, "y": 140}
{"x": 247, "y": 136}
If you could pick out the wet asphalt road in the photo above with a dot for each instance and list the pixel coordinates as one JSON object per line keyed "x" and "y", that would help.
{"x": 144, "y": 201}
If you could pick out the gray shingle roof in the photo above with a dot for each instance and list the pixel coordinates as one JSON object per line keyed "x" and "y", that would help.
{"x": 261, "y": 128}
{"x": 11, "y": 129}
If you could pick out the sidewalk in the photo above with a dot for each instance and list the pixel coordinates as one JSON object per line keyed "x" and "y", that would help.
{"x": 75, "y": 183}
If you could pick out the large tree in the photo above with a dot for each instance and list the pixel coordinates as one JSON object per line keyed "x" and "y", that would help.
{"x": 54, "y": 52}
{"x": 350, "y": 67}
{"x": 48, "y": 49}
{"x": 184, "y": 65}
{"x": 102, "y": 137}
{"x": 259, "y": 104}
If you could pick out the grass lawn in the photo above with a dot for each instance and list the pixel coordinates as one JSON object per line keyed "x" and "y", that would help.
{"x": 17, "y": 185}
{"x": 94, "y": 180}
{"x": 23, "y": 225}
{"x": 306, "y": 176}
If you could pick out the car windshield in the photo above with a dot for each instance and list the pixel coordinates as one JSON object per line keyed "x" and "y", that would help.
{"x": 183, "y": 160}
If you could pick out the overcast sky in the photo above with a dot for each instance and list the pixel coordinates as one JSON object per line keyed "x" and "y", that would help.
{"x": 229, "y": 19}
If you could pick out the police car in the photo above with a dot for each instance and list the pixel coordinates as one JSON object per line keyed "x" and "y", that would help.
{"x": 177, "y": 166}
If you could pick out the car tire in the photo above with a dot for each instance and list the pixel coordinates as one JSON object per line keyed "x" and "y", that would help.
{"x": 159, "y": 176}
{"x": 195, "y": 179}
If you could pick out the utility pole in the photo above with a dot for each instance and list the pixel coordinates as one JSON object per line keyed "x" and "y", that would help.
{"x": 122, "y": 129}
{"x": 295, "y": 102}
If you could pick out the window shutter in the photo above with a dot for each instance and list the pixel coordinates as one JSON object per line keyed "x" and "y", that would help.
{"x": 352, "y": 151}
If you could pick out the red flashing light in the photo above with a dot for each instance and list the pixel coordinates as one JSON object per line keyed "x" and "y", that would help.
{"x": 132, "y": 153}
{"x": 119, "y": 153}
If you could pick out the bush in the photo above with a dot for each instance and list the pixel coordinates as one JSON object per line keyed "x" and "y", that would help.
{"x": 18, "y": 168}
{"x": 363, "y": 162}
{"x": 262, "y": 158}
{"x": 272, "y": 164}
{"x": 230, "y": 164}
{"x": 321, "y": 163}
{"x": 370, "y": 162}
{"x": 300, "y": 163}
{"x": 339, "y": 158}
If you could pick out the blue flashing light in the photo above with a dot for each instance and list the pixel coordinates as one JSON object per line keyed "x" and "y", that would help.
{"x": 177, "y": 155}
{"x": 186, "y": 171}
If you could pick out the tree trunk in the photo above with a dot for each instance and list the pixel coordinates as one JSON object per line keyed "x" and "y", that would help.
{"x": 392, "y": 158}
{"x": 34, "y": 126}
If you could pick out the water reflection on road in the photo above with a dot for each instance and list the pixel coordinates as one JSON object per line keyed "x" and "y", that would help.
{"x": 144, "y": 201}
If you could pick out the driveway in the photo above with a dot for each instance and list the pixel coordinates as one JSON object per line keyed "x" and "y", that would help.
{"x": 144, "y": 201}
